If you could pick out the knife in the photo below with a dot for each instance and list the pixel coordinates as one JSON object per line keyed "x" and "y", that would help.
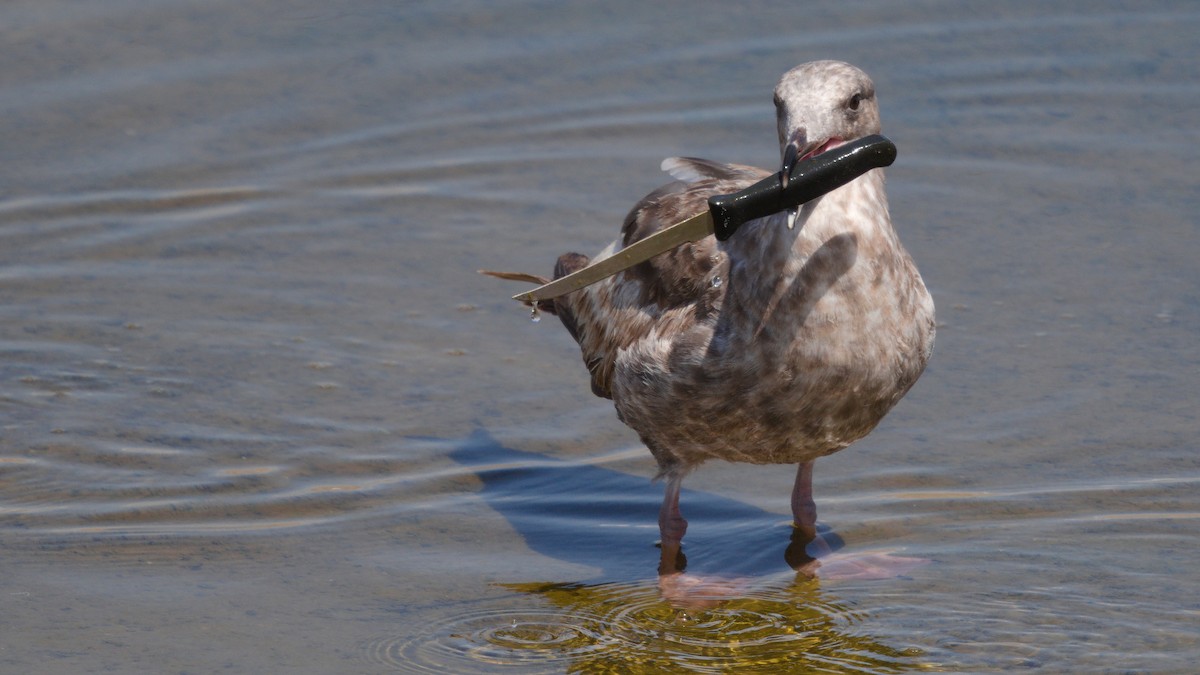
{"x": 726, "y": 213}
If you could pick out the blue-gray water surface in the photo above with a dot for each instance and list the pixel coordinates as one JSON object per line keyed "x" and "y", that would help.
{"x": 258, "y": 413}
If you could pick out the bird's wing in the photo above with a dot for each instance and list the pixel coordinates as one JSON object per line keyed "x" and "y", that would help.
{"x": 674, "y": 286}
{"x": 695, "y": 169}
{"x": 680, "y": 276}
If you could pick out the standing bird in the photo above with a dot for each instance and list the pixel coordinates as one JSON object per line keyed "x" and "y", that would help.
{"x": 785, "y": 343}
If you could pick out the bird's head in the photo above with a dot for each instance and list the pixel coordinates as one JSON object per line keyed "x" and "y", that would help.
{"x": 820, "y": 105}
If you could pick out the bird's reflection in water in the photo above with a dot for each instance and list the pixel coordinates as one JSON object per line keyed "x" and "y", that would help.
{"x": 802, "y": 554}
{"x": 763, "y": 626}
{"x": 736, "y": 605}
{"x": 809, "y": 554}
{"x": 747, "y": 628}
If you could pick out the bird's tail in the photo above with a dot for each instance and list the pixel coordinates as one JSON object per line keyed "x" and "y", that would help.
{"x": 516, "y": 276}
{"x": 566, "y": 264}
{"x": 546, "y": 306}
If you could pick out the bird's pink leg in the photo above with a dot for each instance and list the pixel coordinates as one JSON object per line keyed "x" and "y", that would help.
{"x": 671, "y": 525}
{"x": 804, "y": 510}
{"x": 804, "y": 513}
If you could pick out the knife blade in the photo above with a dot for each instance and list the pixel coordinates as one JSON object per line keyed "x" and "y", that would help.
{"x": 726, "y": 213}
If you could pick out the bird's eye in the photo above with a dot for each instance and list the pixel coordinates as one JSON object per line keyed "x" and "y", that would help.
{"x": 854, "y": 101}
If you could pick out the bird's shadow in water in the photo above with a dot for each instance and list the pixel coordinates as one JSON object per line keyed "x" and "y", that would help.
{"x": 590, "y": 515}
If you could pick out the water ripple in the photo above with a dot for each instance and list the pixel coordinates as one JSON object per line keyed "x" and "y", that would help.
{"x": 631, "y": 628}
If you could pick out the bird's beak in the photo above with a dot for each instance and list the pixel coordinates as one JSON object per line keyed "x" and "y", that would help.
{"x": 791, "y": 154}
{"x": 798, "y": 149}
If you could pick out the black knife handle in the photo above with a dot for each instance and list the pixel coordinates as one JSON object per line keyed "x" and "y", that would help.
{"x": 810, "y": 179}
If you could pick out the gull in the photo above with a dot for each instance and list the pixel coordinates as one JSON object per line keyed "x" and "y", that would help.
{"x": 787, "y": 342}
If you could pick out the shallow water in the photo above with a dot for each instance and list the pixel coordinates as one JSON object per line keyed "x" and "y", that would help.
{"x": 258, "y": 413}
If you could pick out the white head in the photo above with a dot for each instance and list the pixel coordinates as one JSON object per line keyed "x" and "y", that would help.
{"x": 820, "y": 105}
